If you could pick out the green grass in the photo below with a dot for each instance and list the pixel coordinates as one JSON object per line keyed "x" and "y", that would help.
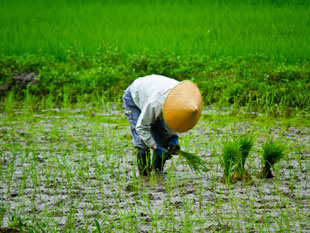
{"x": 252, "y": 54}
{"x": 253, "y": 84}
{"x": 278, "y": 30}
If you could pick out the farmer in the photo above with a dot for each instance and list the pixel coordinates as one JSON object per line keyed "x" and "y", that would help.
{"x": 157, "y": 107}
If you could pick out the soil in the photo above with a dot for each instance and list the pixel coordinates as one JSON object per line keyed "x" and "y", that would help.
{"x": 43, "y": 160}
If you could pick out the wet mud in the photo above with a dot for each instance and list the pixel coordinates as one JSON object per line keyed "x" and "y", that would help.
{"x": 62, "y": 170}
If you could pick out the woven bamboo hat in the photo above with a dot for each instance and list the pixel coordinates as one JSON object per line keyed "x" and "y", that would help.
{"x": 182, "y": 107}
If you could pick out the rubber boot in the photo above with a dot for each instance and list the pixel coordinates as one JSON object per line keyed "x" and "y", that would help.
{"x": 158, "y": 163}
{"x": 143, "y": 161}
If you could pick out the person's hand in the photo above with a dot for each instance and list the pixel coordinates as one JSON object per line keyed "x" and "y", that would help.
{"x": 174, "y": 146}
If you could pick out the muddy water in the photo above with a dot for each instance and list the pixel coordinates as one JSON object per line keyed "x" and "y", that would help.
{"x": 62, "y": 170}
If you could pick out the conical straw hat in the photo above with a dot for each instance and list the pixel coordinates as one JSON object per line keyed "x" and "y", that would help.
{"x": 182, "y": 107}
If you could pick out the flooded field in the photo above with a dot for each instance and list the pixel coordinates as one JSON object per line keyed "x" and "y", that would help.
{"x": 75, "y": 171}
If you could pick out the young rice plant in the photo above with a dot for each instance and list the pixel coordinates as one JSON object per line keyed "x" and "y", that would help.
{"x": 273, "y": 152}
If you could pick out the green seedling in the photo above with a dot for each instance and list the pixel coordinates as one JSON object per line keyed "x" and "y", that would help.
{"x": 234, "y": 156}
{"x": 230, "y": 157}
{"x": 273, "y": 152}
{"x": 245, "y": 144}
{"x": 196, "y": 163}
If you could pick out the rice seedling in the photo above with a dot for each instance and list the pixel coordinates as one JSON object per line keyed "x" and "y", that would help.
{"x": 246, "y": 143}
{"x": 234, "y": 155}
{"x": 273, "y": 152}
{"x": 231, "y": 156}
{"x": 196, "y": 163}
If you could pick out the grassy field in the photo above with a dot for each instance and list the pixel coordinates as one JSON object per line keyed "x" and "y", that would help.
{"x": 278, "y": 30}
{"x": 254, "y": 83}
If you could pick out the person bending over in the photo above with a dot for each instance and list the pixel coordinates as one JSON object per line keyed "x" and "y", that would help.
{"x": 157, "y": 108}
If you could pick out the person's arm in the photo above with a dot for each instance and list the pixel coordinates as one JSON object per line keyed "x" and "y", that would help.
{"x": 150, "y": 114}
{"x": 147, "y": 116}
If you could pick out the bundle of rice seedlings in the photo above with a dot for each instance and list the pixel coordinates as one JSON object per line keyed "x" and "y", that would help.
{"x": 245, "y": 145}
{"x": 231, "y": 156}
{"x": 234, "y": 155}
{"x": 196, "y": 163}
{"x": 273, "y": 152}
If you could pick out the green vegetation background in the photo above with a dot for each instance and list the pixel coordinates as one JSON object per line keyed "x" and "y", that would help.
{"x": 250, "y": 53}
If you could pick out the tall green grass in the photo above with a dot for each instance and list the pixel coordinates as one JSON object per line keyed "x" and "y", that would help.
{"x": 258, "y": 85}
{"x": 277, "y": 29}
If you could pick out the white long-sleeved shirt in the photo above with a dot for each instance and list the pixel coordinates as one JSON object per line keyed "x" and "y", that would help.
{"x": 149, "y": 94}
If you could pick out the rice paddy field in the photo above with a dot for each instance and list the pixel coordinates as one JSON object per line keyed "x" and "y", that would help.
{"x": 276, "y": 29}
{"x": 66, "y": 159}
{"x": 74, "y": 170}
